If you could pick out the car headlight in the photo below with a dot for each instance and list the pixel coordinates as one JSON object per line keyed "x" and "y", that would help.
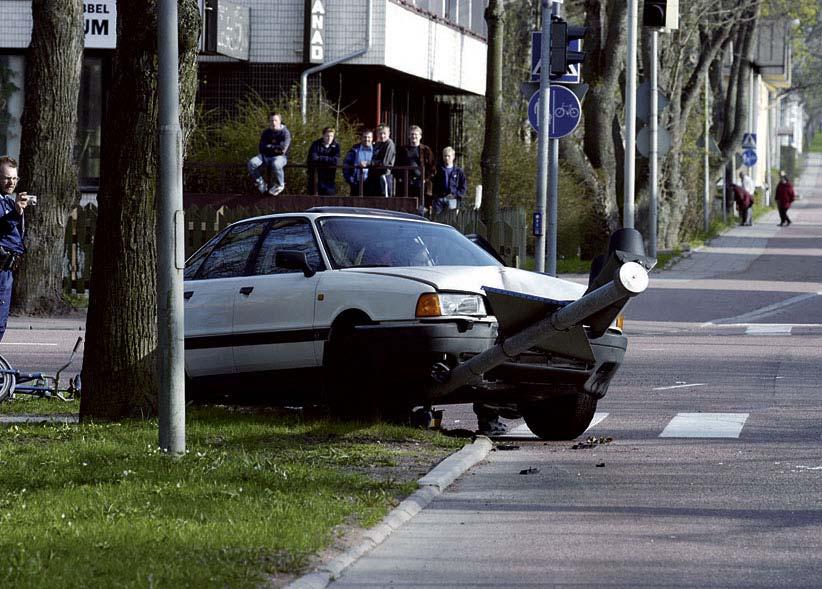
{"x": 445, "y": 304}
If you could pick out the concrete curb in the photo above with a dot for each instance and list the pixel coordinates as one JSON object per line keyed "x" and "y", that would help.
{"x": 431, "y": 485}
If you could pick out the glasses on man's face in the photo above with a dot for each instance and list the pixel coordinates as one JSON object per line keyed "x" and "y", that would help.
{"x": 10, "y": 178}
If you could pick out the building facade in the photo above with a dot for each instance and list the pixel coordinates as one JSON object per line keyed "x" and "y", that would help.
{"x": 401, "y": 62}
{"x": 413, "y": 62}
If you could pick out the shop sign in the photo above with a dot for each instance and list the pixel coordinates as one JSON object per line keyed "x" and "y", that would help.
{"x": 100, "y": 24}
{"x": 315, "y": 30}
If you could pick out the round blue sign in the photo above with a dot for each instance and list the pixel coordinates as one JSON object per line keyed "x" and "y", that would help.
{"x": 749, "y": 157}
{"x": 567, "y": 111}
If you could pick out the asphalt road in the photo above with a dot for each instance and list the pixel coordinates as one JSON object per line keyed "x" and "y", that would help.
{"x": 713, "y": 475}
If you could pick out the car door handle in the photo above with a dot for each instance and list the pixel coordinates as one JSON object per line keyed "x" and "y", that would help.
{"x": 246, "y": 290}
{"x": 188, "y": 294}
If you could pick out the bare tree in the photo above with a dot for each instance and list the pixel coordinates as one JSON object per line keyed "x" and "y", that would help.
{"x": 119, "y": 365}
{"x": 47, "y": 168}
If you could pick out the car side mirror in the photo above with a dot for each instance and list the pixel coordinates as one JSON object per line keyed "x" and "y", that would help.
{"x": 294, "y": 260}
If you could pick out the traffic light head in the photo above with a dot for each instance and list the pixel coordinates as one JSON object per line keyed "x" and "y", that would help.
{"x": 562, "y": 36}
{"x": 654, "y": 13}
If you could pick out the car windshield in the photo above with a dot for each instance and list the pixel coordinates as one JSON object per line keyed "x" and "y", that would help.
{"x": 363, "y": 242}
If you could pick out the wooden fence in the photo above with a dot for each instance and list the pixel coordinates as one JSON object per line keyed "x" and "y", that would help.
{"x": 204, "y": 221}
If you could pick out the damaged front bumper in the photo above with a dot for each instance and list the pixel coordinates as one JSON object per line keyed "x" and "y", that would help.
{"x": 408, "y": 355}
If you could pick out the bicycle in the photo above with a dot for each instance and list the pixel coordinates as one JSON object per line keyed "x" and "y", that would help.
{"x": 37, "y": 384}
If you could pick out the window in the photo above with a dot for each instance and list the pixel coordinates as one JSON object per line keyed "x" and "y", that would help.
{"x": 230, "y": 257}
{"x": 287, "y": 234}
{"x": 379, "y": 242}
{"x": 89, "y": 122}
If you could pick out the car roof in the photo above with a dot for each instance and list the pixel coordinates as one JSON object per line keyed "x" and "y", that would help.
{"x": 368, "y": 212}
{"x": 316, "y": 212}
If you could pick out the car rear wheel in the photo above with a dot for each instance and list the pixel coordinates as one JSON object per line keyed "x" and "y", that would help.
{"x": 560, "y": 418}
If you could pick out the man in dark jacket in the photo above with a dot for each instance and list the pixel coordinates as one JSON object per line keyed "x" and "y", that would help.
{"x": 380, "y": 182}
{"x": 418, "y": 159}
{"x": 274, "y": 144}
{"x": 323, "y": 156}
{"x": 357, "y": 163}
{"x": 12, "y": 207}
{"x": 449, "y": 183}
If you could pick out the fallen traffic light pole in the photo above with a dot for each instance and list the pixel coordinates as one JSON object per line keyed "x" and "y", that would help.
{"x": 629, "y": 280}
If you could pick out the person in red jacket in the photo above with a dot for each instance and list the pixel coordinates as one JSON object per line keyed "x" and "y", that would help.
{"x": 785, "y": 196}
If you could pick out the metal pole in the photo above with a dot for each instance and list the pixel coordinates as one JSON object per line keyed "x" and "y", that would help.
{"x": 768, "y": 154}
{"x": 751, "y": 119}
{"x": 542, "y": 136}
{"x": 706, "y": 194}
{"x": 654, "y": 147}
{"x": 630, "y": 116}
{"x": 551, "y": 224}
{"x": 170, "y": 252}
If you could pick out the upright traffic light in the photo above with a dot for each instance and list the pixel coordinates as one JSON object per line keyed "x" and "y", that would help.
{"x": 559, "y": 46}
{"x": 562, "y": 35}
{"x": 654, "y": 13}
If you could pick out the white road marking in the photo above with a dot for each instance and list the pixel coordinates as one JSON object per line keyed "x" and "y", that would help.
{"x": 705, "y": 425}
{"x": 680, "y": 386}
{"x": 764, "y": 311}
{"x": 768, "y": 329}
{"x": 25, "y": 344}
{"x": 522, "y": 431}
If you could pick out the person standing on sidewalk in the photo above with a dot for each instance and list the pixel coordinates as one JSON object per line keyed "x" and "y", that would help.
{"x": 12, "y": 207}
{"x": 785, "y": 196}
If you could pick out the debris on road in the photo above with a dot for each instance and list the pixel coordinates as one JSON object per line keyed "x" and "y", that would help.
{"x": 529, "y": 470}
{"x": 591, "y": 442}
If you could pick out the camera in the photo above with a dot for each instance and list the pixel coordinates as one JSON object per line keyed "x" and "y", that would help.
{"x": 32, "y": 199}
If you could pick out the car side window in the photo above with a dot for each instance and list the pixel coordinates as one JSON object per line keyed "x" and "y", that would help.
{"x": 230, "y": 256}
{"x": 287, "y": 234}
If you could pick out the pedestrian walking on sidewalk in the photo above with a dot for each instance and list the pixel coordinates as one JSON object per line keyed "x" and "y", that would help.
{"x": 785, "y": 196}
{"x": 744, "y": 204}
{"x": 12, "y": 207}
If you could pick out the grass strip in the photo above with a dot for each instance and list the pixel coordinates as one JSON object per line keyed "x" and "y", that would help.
{"x": 256, "y": 495}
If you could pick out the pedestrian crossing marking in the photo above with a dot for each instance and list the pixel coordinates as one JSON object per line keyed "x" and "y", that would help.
{"x": 682, "y": 425}
{"x": 705, "y": 425}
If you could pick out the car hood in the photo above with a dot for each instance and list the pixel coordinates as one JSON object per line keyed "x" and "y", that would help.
{"x": 473, "y": 278}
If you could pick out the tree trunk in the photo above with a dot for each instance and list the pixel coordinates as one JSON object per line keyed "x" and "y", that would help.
{"x": 605, "y": 48}
{"x": 491, "y": 149}
{"x": 119, "y": 368}
{"x": 47, "y": 166}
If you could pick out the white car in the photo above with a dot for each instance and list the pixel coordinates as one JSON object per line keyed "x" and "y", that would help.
{"x": 367, "y": 305}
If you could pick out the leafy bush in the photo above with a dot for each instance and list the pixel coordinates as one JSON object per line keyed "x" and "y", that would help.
{"x": 231, "y": 142}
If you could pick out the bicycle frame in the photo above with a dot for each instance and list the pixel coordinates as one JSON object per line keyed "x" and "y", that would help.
{"x": 44, "y": 386}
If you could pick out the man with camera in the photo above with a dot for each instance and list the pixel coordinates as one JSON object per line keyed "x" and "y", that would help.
{"x": 12, "y": 206}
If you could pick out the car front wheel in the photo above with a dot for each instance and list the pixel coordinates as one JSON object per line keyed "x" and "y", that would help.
{"x": 560, "y": 418}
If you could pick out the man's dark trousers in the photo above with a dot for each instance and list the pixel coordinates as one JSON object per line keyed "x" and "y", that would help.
{"x": 6, "y": 281}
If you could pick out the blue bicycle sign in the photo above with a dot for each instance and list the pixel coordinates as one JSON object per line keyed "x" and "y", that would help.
{"x": 565, "y": 108}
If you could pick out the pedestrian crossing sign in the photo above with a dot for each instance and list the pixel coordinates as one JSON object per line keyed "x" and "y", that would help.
{"x": 749, "y": 141}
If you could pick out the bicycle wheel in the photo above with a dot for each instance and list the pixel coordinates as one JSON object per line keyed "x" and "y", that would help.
{"x": 7, "y": 380}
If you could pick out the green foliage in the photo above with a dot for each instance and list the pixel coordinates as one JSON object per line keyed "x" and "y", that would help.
{"x": 235, "y": 140}
{"x": 816, "y": 143}
{"x": 99, "y": 505}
